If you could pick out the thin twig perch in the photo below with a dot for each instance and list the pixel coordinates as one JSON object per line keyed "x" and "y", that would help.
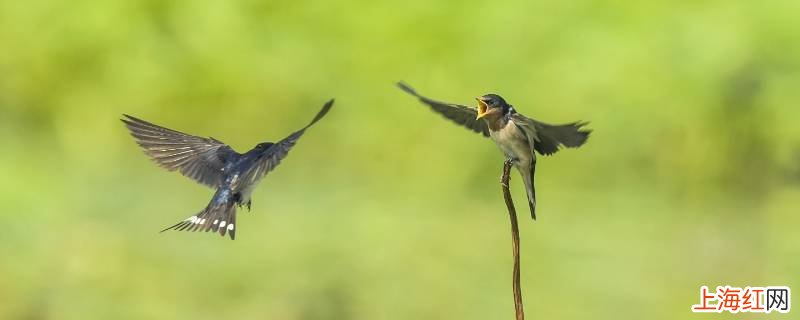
{"x": 512, "y": 214}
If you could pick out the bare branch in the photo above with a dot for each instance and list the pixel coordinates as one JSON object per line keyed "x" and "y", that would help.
{"x": 512, "y": 214}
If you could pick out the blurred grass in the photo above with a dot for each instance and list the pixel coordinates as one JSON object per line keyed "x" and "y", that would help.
{"x": 383, "y": 210}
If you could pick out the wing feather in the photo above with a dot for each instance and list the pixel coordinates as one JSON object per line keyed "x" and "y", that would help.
{"x": 461, "y": 115}
{"x": 200, "y": 159}
{"x": 270, "y": 158}
{"x": 547, "y": 138}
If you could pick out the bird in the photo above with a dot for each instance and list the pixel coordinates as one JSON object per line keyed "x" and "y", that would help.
{"x": 518, "y": 137}
{"x": 211, "y": 162}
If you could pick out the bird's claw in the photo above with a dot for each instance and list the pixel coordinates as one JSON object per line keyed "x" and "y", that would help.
{"x": 247, "y": 204}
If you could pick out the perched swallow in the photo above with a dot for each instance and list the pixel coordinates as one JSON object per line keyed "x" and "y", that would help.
{"x": 516, "y": 135}
{"x": 215, "y": 164}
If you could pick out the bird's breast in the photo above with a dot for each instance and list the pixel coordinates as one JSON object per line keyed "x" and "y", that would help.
{"x": 513, "y": 143}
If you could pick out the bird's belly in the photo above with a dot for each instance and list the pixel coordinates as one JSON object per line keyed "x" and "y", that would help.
{"x": 513, "y": 144}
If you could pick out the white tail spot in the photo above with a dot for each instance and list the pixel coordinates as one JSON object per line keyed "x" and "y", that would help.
{"x": 192, "y": 219}
{"x": 216, "y": 221}
{"x": 230, "y": 226}
{"x": 203, "y": 221}
{"x": 222, "y": 224}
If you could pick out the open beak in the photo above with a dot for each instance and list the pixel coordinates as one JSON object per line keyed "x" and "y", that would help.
{"x": 481, "y": 108}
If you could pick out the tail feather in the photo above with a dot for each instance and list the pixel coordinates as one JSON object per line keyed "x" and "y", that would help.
{"x": 217, "y": 217}
{"x": 228, "y": 226}
{"x": 532, "y": 205}
{"x": 527, "y": 178}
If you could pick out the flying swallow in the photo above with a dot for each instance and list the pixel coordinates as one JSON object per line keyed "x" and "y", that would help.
{"x": 517, "y": 136}
{"x": 213, "y": 163}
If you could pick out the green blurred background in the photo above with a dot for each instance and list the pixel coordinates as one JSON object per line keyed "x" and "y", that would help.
{"x": 384, "y": 210}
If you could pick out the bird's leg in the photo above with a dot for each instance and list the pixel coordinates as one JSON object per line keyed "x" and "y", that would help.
{"x": 249, "y": 202}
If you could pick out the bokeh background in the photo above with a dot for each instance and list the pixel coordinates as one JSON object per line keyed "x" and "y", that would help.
{"x": 384, "y": 210}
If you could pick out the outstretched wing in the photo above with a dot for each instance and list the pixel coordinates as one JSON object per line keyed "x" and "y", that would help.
{"x": 459, "y": 114}
{"x": 201, "y": 159}
{"x": 272, "y": 156}
{"x": 548, "y": 138}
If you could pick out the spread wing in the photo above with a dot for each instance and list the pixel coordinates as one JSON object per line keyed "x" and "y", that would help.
{"x": 201, "y": 159}
{"x": 548, "y": 138}
{"x": 272, "y": 156}
{"x": 459, "y": 114}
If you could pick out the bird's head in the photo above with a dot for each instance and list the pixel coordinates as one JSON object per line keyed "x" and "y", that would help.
{"x": 491, "y": 106}
{"x": 263, "y": 146}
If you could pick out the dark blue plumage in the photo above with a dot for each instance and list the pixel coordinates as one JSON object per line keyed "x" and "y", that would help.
{"x": 212, "y": 163}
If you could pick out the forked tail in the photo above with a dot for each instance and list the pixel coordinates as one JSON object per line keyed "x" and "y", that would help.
{"x": 217, "y": 216}
{"x": 530, "y": 188}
